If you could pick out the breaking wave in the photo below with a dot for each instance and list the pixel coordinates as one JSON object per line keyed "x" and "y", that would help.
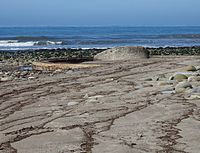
{"x": 17, "y": 43}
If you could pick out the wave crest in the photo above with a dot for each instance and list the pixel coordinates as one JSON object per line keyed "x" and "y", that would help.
{"x": 17, "y": 43}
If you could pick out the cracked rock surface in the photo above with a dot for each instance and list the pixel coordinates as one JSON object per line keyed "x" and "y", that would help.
{"x": 113, "y": 108}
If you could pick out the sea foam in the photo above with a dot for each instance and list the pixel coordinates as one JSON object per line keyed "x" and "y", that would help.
{"x": 16, "y": 43}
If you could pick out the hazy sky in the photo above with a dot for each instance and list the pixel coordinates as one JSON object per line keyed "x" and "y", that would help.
{"x": 99, "y": 12}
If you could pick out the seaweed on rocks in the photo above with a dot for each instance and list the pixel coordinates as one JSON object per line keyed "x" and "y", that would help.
{"x": 177, "y": 51}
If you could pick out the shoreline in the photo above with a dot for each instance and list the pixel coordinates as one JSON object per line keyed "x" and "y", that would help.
{"x": 18, "y": 65}
{"x": 26, "y": 56}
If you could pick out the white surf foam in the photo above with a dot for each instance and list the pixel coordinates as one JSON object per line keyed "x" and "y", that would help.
{"x": 16, "y": 43}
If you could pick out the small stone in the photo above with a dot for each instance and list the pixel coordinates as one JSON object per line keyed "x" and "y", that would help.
{"x": 32, "y": 78}
{"x": 190, "y": 68}
{"x": 194, "y": 78}
{"x": 5, "y": 79}
{"x": 180, "y": 77}
{"x": 72, "y": 103}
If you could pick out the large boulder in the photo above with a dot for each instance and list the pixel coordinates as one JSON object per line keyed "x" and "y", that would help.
{"x": 123, "y": 53}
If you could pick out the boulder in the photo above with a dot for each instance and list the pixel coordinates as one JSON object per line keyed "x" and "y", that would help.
{"x": 123, "y": 53}
{"x": 179, "y": 77}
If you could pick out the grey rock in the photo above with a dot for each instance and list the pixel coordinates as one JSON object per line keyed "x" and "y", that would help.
{"x": 123, "y": 53}
{"x": 183, "y": 85}
{"x": 194, "y": 78}
{"x": 32, "y": 78}
{"x": 179, "y": 90}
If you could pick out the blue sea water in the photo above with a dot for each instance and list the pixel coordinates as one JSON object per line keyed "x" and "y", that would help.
{"x": 20, "y": 38}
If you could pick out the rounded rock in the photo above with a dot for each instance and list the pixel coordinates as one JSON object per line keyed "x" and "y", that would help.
{"x": 179, "y": 90}
{"x": 180, "y": 77}
{"x": 183, "y": 85}
{"x": 169, "y": 82}
{"x": 190, "y": 68}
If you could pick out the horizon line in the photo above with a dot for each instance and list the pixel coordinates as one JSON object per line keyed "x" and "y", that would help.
{"x": 5, "y": 26}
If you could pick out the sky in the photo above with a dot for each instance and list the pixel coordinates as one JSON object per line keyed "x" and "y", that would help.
{"x": 99, "y": 12}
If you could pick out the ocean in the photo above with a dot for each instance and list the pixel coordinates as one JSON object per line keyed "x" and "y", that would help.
{"x": 23, "y": 38}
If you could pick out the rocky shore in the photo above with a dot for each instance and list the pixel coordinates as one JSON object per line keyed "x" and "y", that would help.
{"x": 18, "y": 65}
{"x": 141, "y": 105}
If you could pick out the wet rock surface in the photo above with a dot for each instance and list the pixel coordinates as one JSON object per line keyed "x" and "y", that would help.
{"x": 113, "y": 108}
